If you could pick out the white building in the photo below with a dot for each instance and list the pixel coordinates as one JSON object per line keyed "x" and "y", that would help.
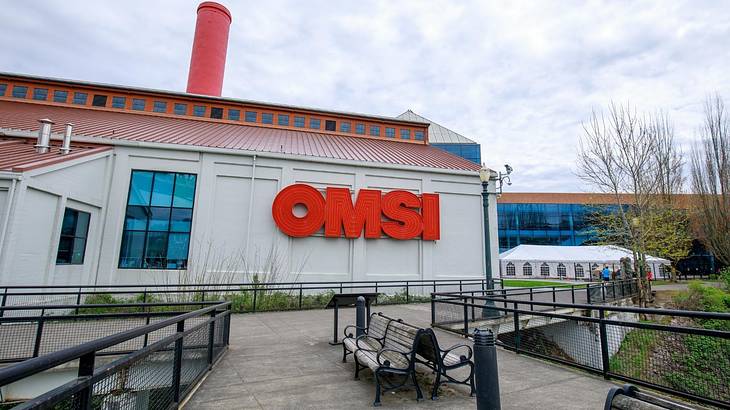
{"x": 567, "y": 262}
{"x": 206, "y": 171}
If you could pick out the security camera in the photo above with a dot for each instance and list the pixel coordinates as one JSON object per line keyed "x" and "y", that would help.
{"x": 508, "y": 168}
{"x": 509, "y": 182}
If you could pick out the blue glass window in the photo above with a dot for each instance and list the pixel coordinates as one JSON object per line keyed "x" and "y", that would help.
{"x": 405, "y": 134}
{"x": 118, "y": 102}
{"x": 418, "y": 135}
{"x": 199, "y": 110}
{"x": 158, "y": 221}
{"x": 99, "y": 100}
{"x": 40, "y": 94}
{"x": 360, "y": 128}
{"x": 314, "y": 123}
{"x": 72, "y": 241}
{"x": 80, "y": 98}
{"x": 298, "y": 121}
{"x": 345, "y": 126}
{"x": 60, "y": 96}
{"x": 375, "y": 130}
{"x": 267, "y": 118}
{"x": 180, "y": 109}
{"x": 159, "y": 106}
{"x": 330, "y": 125}
{"x": 216, "y": 112}
{"x": 234, "y": 115}
{"x": 283, "y": 119}
{"x": 20, "y": 91}
{"x": 390, "y": 132}
{"x": 138, "y": 104}
{"x": 250, "y": 116}
{"x": 3, "y": 88}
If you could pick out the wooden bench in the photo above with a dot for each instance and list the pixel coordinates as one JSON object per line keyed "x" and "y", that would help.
{"x": 444, "y": 361}
{"x": 628, "y": 397}
{"x": 388, "y": 348}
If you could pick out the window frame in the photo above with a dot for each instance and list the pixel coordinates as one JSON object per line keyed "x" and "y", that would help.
{"x": 116, "y": 100}
{"x": 85, "y": 238}
{"x": 22, "y": 91}
{"x": 267, "y": 118}
{"x": 234, "y": 114}
{"x": 176, "y": 111}
{"x": 250, "y": 114}
{"x": 527, "y": 269}
{"x": 159, "y": 106}
{"x": 510, "y": 269}
{"x": 38, "y": 91}
{"x": 562, "y": 270}
{"x": 80, "y": 98}
{"x": 579, "y": 271}
{"x": 57, "y": 96}
{"x": 135, "y": 104}
{"x": 300, "y": 121}
{"x": 544, "y": 269}
{"x": 374, "y": 130}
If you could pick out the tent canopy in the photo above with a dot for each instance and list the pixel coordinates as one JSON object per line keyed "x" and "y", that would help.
{"x": 549, "y": 253}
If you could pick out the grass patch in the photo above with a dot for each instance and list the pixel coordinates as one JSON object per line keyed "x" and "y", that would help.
{"x": 529, "y": 283}
{"x": 632, "y": 358}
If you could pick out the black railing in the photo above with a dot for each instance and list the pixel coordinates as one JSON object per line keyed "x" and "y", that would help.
{"x": 686, "y": 353}
{"x": 159, "y": 375}
{"x": 245, "y": 297}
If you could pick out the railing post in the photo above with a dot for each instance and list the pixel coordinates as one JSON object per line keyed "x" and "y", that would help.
{"x": 516, "y": 324}
{"x": 254, "y": 299}
{"x": 177, "y": 363}
{"x": 78, "y": 300}
{"x": 38, "y": 335}
{"x": 532, "y": 307}
{"x": 340, "y": 287}
{"x": 202, "y": 296}
{"x": 434, "y": 286}
{"x": 433, "y": 309}
{"x": 553, "y": 294}
{"x": 466, "y": 318}
{"x": 572, "y": 294}
{"x": 603, "y": 291}
{"x": 604, "y": 343}
{"x": 406, "y": 292}
{"x": 588, "y": 294}
{"x": 211, "y": 337}
{"x": 86, "y": 369}
{"x": 4, "y": 302}
{"x": 460, "y": 286}
{"x": 300, "y": 296}
{"x": 146, "y": 335}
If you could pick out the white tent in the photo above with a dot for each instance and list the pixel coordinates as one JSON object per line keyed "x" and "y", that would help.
{"x": 567, "y": 262}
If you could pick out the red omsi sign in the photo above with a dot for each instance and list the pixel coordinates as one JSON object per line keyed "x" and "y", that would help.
{"x": 337, "y": 213}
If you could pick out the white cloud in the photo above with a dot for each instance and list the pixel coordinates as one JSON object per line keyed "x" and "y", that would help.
{"x": 518, "y": 77}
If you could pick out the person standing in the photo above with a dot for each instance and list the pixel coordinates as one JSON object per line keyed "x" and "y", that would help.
{"x": 606, "y": 273}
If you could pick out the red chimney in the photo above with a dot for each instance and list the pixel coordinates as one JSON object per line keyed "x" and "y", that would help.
{"x": 208, "y": 60}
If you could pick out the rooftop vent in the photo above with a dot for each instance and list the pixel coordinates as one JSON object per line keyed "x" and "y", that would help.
{"x": 43, "y": 145}
{"x": 66, "y": 147}
{"x": 208, "y": 59}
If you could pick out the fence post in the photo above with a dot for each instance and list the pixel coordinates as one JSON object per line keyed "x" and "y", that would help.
{"x": 434, "y": 286}
{"x": 340, "y": 287}
{"x": 572, "y": 294}
{"x": 211, "y": 337}
{"x": 254, "y": 299}
{"x": 603, "y": 291}
{"x": 553, "y": 294}
{"x": 4, "y": 302}
{"x": 466, "y": 318}
{"x": 78, "y": 300}
{"x": 588, "y": 294}
{"x": 516, "y": 325}
{"x": 300, "y": 296}
{"x": 177, "y": 363}
{"x": 406, "y": 292}
{"x": 433, "y": 309}
{"x": 38, "y": 335}
{"x": 532, "y": 307}
{"x": 460, "y": 286}
{"x": 604, "y": 343}
{"x": 146, "y": 335}
{"x": 86, "y": 369}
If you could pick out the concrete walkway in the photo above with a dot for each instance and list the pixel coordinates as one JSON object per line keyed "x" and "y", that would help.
{"x": 283, "y": 360}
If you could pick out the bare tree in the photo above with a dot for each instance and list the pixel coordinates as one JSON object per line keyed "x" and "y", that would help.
{"x": 635, "y": 159}
{"x": 710, "y": 168}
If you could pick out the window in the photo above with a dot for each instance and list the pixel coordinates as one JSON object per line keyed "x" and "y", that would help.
{"x": 180, "y": 109}
{"x": 510, "y": 269}
{"x": 138, "y": 104}
{"x": 72, "y": 243}
{"x": 527, "y": 269}
{"x": 3, "y": 87}
{"x": 199, "y": 110}
{"x": 119, "y": 102}
{"x": 80, "y": 98}
{"x": 390, "y": 132}
{"x": 60, "y": 96}
{"x": 159, "y": 106}
{"x": 562, "y": 272}
{"x": 19, "y": 91}
{"x": 282, "y": 119}
{"x": 216, "y": 112}
{"x": 298, "y": 121}
{"x": 360, "y": 128}
{"x": 330, "y": 125}
{"x": 159, "y": 217}
{"x": 405, "y": 134}
{"x": 314, "y": 123}
{"x": 250, "y": 116}
{"x": 375, "y": 130}
{"x": 99, "y": 100}
{"x": 579, "y": 273}
{"x": 345, "y": 126}
{"x": 234, "y": 115}
{"x": 418, "y": 135}
{"x": 40, "y": 94}
{"x": 544, "y": 269}
{"x": 267, "y": 118}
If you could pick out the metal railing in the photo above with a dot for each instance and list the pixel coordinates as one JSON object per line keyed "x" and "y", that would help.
{"x": 685, "y": 353}
{"x": 245, "y": 297}
{"x": 159, "y": 375}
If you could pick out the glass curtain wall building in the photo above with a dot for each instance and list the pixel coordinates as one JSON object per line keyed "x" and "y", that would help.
{"x": 446, "y": 139}
{"x": 543, "y": 224}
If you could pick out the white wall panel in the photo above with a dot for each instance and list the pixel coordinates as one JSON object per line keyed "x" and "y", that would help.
{"x": 390, "y": 258}
{"x": 456, "y": 253}
{"x": 32, "y": 238}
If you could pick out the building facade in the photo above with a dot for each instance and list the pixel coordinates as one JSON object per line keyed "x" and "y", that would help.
{"x": 164, "y": 187}
{"x": 448, "y": 140}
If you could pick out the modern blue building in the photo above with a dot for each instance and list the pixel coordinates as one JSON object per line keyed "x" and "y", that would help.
{"x": 446, "y": 139}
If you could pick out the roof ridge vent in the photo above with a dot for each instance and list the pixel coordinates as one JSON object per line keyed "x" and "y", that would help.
{"x": 66, "y": 147}
{"x": 43, "y": 144}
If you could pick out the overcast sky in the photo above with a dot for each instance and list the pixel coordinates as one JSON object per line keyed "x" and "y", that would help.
{"x": 518, "y": 77}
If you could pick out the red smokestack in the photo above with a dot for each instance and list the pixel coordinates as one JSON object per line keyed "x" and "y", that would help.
{"x": 208, "y": 60}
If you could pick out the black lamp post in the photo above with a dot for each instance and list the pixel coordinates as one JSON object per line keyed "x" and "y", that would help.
{"x": 486, "y": 176}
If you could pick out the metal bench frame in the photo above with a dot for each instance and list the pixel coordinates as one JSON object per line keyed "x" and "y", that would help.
{"x": 435, "y": 359}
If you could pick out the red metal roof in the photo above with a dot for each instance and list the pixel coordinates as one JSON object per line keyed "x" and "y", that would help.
{"x": 181, "y": 131}
{"x": 19, "y": 154}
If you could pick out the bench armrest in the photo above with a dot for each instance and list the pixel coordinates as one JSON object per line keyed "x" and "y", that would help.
{"x": 448, "y": 350}
{"x": 387, "y": 363}
{"x": 364, "y": 329}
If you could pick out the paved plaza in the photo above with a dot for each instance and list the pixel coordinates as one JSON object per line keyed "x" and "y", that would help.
{"x": 284, "y": 360}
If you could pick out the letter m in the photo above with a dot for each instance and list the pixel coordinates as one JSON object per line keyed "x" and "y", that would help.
{"x": 340, "y": 213}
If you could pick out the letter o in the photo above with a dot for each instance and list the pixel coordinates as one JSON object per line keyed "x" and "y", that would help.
{"x": 283, "y": 210}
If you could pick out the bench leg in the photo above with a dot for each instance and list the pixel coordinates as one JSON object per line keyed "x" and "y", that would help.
{"x": 436, "y": 383}
{"x": 471, "y": 380}
{"x": 357, "y": 369}
{"x": 419, "y": 395}
{"x": 376, "y": 403}
{"x": 344, "y": 354}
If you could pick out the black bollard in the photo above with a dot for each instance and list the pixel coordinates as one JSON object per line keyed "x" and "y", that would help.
{"x": 360, "y": 316}
{"x": 486, "y": 374}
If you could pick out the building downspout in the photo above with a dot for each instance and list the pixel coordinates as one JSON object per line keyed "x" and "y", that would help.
{"x": 6, "y": 217}
{"x": 250, "y": 206}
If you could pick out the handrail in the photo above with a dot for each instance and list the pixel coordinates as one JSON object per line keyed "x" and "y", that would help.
{"x": 105, "y": 305}
{"x": 38, "y": 364}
